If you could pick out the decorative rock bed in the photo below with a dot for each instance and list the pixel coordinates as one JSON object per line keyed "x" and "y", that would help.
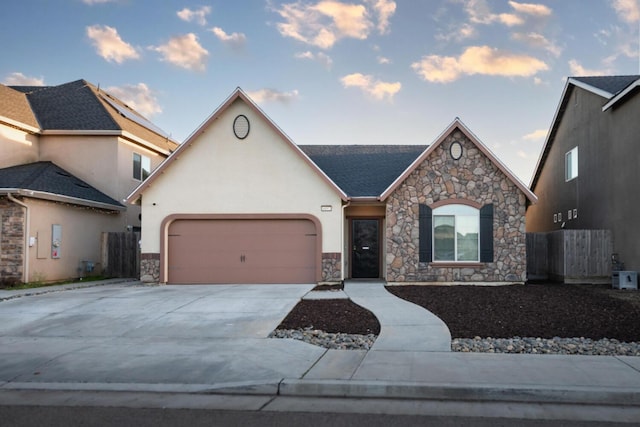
{"x": 576, "y": 346}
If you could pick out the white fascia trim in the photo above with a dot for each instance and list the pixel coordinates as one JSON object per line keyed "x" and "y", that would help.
{"x": 621, "y": 95}
{"x": 146, "y": 144}
{"x": 20, "y": 125}
{"x": 588, "y": 87}
{"x": 60, "y": 198}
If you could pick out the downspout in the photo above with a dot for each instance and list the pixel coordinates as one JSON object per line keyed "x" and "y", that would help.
{"x": 344, "y": 218}
{"x": 25, "y": 266}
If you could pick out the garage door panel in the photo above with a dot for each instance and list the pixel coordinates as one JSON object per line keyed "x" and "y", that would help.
{"x": 242, "y": 251}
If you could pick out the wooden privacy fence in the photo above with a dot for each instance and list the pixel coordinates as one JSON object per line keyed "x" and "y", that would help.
{"x": 121, "y": 254}
{"x": 570, "y": 256}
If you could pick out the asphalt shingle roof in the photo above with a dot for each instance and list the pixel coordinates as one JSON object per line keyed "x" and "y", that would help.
{"x": 363, "y": 170}
{"x": 79, "y": 105}
{"x": 611, "y": 84}
{"x": 49, "y": 178}
{"x": 15, "y": 106}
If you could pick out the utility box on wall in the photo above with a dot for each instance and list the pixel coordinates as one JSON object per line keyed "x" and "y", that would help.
{"x": 625, "y": 280}
{"x": 56, "y": 240}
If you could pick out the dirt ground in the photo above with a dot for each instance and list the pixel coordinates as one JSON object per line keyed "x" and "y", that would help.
{"x": 532, "y": 310}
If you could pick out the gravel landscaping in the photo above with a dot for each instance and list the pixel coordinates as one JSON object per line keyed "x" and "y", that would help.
{"x": 534, "y": 318}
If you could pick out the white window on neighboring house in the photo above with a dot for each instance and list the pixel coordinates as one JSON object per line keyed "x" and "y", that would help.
{"x": 141, "y": 167}
{"x": 571, "y": 164}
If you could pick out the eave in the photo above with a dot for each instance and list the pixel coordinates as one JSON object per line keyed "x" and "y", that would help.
{"x": 43, "y": 195}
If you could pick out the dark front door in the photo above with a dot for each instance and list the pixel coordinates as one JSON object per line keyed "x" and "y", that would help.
{"x": 365, "y": 253}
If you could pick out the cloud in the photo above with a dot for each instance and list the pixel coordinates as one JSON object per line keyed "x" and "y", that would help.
{"x": 578, "y": 70}
{"x": 384, "y": 9}
{"x": 139, "y": 97}
{"x": 383, "y": 60}
{"x": 477, "y": 60}
{"x": 268, "y": 95}
{"x": 199, "y": 16}
{"x": 324, "y": 23}
{"x": 184, "y": 51}
{"x": 509, "y": 19}
{"x": 234, "y": 40}
{"x": 480, "y": 13}
{"x": 536, "y": 135}
{"x": 375, "y": 88}
{"x": 532, "y": 9}
{"x": 627, "y": 10}
{"x": 320, "y": 57}
{"x": 109, "y": 44}
{"x": 19, "y": 79}
{"x": 538, "y": 41}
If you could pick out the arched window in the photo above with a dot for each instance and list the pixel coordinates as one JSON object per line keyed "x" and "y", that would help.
{"x": 456, "y": 233}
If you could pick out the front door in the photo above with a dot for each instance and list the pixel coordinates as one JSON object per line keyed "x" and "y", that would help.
{"x": 365, "y": 253}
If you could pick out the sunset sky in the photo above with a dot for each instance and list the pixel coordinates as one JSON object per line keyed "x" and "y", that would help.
{"x": 332, "y": 72}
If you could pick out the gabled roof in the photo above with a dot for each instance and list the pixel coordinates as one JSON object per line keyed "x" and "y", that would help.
{"x": 610, "y": 85}
{"x": 457, "y": 124}
{"x": 45, "y": 180}
{"x": 80, "y": 106}
{"x": 612, "y": 88}
{"x": 363, "y": 170}
{"x": 237, "y": 94}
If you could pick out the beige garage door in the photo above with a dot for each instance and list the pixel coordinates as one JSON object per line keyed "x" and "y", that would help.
{"x": 242, "y": 251}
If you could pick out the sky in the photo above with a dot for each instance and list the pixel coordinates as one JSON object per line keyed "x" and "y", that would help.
{"x": 332, "y": 71}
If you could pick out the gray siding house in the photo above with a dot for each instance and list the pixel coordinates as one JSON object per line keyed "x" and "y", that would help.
{"x": 588, "y": 174}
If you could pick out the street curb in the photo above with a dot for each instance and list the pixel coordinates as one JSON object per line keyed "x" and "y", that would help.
{"x": 603, "y": 396}
{"x": 467, "y": 392}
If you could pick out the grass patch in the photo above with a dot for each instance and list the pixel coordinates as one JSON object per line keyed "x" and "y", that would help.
{"x": 6, "y": 284}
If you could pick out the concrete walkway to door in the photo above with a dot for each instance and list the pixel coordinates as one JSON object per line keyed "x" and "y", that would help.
{"x": 403, "y": 325}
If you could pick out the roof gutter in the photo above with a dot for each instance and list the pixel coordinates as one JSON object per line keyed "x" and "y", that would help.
{"x": 62, "y": 199}
{"x": 27, "y": 222}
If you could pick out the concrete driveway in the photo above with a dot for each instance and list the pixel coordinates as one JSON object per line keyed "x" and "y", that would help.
{"x": 152, "y": 335}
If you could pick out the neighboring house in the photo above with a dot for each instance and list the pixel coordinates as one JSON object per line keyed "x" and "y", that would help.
{"x": 239, "y": 202}
{"x": 588, "y": 173}
{"x": 69, "y": 155}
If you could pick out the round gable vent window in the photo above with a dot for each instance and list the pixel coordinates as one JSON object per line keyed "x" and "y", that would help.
{"x": 241, "y": 126}
{"x": 455, "y": 150}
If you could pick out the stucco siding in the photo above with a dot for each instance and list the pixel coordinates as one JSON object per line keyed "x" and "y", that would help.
{"x": 90, "y": 158}
{"x": 17, "y": 147}
{"x": 603, "y": 193}
{"x": 82, "y": 229}
{"x": 221, "y": 174}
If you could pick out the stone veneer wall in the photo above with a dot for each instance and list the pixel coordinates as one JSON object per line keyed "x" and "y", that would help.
{"x": 473, "y": 177}
{"x": 11, "y": 240}
{"x": 331, "y": 266}
{"x": 150, "y": 268}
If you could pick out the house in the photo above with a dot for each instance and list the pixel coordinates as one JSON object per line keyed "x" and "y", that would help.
{"x": 239, "y": 202}
{"x": 69, "y": 155}
{"x": 588, "y": 173}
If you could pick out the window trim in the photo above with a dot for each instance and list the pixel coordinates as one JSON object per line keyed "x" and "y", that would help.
{"x": 486, "y": 236}
{"x": 445, "y": 211}
{"x": 571, "y": 164}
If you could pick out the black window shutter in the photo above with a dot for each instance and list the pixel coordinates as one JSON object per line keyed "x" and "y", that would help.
{"x": 486, "y": 233}
{"x": 424, "y": 250}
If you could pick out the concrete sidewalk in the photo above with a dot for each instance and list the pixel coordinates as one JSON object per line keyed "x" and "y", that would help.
{"x": 212, "y": 341}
